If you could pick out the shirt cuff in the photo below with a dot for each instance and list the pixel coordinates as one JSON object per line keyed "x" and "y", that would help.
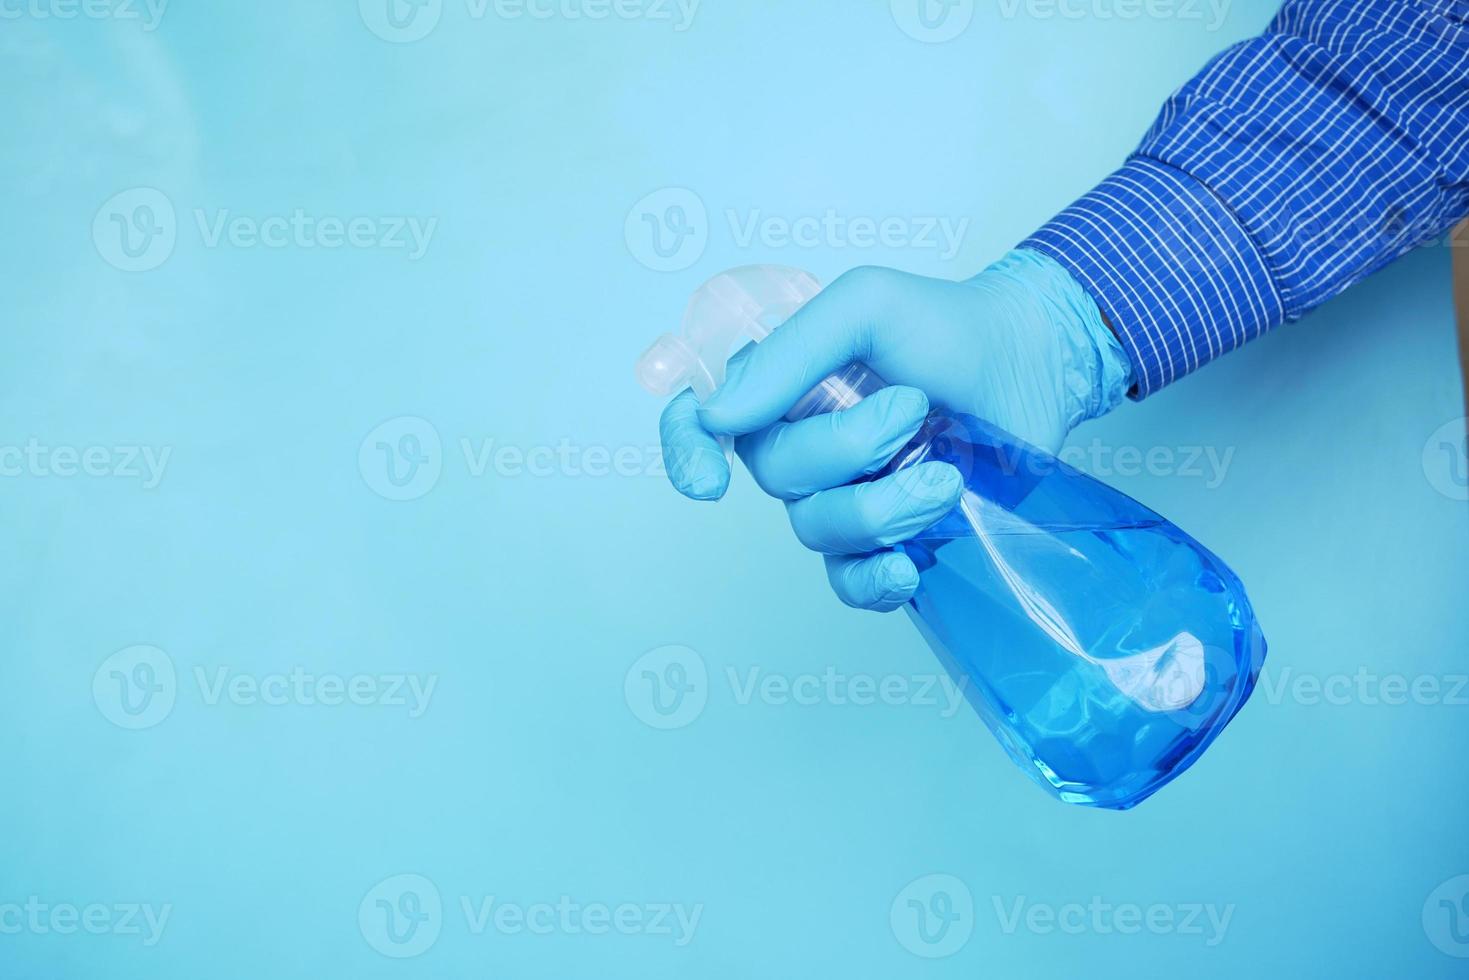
{"x": 1177, "y": 275}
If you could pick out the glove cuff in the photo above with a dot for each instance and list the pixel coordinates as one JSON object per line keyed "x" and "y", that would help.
{"x": 1097, "y": 374}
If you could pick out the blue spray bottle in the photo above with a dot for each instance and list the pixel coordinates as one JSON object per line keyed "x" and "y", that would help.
{"x": 1103, "y": 646}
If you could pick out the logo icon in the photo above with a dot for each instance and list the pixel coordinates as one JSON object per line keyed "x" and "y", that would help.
{"x": 401, "y": 916}
{"x": 1446, "y": 460}
{"x": 668, "y": 230}
{"x": 135, "y": 231}
{"x": 1446, "y": 917}
{"x": 135, "y": 688}
{"x": 933, "y": 21}
{"x": 401, "y": 21}
{"x": 402, "y": 458}
{"x": 667, "y": 688}
{"x": 933, "y": 916}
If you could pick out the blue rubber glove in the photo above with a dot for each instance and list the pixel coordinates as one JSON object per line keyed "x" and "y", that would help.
{"x": 1022, "y": 346}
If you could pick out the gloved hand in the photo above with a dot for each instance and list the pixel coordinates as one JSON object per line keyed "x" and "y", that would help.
{"x": 1022, "y": 346}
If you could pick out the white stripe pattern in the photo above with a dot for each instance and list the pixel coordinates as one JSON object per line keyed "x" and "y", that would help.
{"x": 1291, "y": 167}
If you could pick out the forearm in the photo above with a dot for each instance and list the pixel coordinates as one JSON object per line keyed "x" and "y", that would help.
{"x": 1291, "y": 167}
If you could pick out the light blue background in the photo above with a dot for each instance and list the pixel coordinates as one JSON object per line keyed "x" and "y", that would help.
{"x": 1320, "y": 824}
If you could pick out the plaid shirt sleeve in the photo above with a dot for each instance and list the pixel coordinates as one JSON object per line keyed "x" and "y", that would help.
{"x": 1294, "y": 165}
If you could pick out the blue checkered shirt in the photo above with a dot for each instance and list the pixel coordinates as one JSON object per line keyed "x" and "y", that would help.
{"x": 1292, "y": 166}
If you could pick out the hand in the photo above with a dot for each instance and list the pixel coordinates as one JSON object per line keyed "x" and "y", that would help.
{"x": 1021, "y": 346}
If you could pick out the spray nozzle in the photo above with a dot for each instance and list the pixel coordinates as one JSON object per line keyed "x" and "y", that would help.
{"x": 741, "y": 304}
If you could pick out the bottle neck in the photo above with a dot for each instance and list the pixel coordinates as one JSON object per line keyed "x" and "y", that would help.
{"x": 841, "y": 390}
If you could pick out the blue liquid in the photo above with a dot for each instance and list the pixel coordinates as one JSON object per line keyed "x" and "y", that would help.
{"x": 1103, "y": 646}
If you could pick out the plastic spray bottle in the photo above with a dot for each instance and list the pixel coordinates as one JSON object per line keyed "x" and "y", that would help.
{"x": 1103, "y": 646}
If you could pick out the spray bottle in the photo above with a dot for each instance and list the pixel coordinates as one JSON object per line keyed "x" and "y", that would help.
{"x": 1103, "y": 646}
